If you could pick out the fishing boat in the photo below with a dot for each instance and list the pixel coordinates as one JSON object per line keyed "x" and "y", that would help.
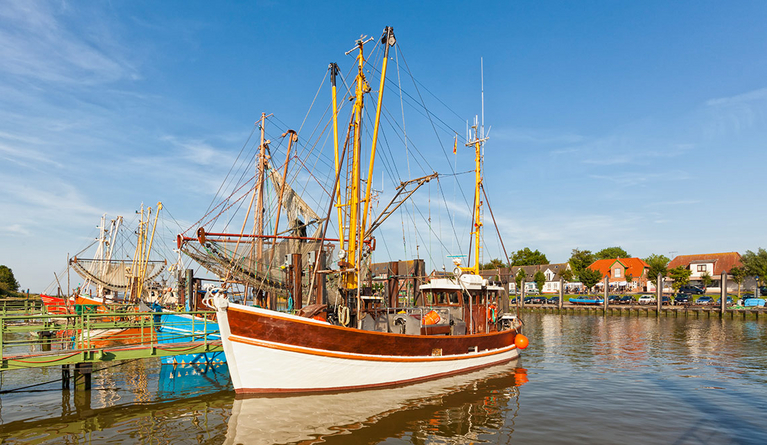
{"x": 364, "y": 340}
{"x": 113, "y": 284}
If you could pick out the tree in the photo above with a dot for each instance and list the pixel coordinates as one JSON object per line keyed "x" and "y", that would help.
{"x": 756, "y": 264}
{"x": 527, "y": 257}
{"x": 580, "y": 260}
{"x": 519, "y": 278}
{"x": 707, "y": 280}
{"x": 610, "y": 253}
{"x": 590, "y": 277}
{"x": 657, "y": 265}
{"x": 567, "y": 275}
{"x": 739, "y": 275}
{"x": 680, "y": 275}
{"x": 495, "y": 263}
{"x": 629, "y": 279}
{"x": 7, "y": 280}
{"x": 540, "y": 280}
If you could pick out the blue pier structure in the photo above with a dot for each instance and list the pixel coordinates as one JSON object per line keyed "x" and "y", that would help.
{"x": 182, "y": 328}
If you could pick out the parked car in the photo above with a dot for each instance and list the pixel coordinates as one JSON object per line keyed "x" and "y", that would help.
{"x": 727, "y": 301}
{"x": 626, "y": 299}
{"x": 553, "y": 300}
{"x": 682, "y": 298}
{"x": 538, "y": 299}
{"x": 646, "y": 299}
{"x": 665, "y": 301}
{"x": 532, "y": 292}
{"x": 692, "y": 290}
{"x": 613, "y": 299}
{"x": 705, "y": 300}
{"x": 514, "y": 300}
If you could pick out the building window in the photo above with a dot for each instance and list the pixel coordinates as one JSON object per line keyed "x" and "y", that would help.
{"x": 617, "y": 273}
{"x": 701, "y": 267}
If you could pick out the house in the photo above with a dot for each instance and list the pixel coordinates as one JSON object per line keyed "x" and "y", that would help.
{"x": 623, "y": 273}
{"x": 550, "y": 271}
{"x": 713, "y": 264}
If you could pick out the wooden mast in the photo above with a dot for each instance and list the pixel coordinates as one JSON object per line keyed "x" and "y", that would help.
{"x": 259, "y": 212}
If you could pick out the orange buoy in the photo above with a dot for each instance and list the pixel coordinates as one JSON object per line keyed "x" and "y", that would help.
{"x": 431, "y": 318}
{"x": 521, "y": 341}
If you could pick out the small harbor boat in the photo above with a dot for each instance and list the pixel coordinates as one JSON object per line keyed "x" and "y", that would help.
{"x": 587, "y": 300}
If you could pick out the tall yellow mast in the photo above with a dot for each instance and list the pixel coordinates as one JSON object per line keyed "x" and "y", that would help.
{"x": 388, "y": 40}
{"x": 477, "y": 142}
{"x": 361, "y": 87}
{"x": 477, "y": 203}
{"x": 357, "y": 226}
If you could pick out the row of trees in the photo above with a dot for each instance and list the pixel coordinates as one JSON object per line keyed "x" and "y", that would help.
{"x": 527, "y": 257}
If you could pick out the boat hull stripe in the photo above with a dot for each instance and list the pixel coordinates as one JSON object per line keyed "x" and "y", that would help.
{"x": 371, "y": 386}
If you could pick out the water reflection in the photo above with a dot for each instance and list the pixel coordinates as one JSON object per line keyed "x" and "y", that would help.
{"x": 456, "y": 409}
{"x": 139, "y": 400}
{"x": 592, "y": 379}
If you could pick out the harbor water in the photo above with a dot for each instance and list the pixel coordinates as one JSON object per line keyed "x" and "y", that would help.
{"x": 583, "y": 379}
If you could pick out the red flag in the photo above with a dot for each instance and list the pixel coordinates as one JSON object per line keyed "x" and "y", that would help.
{"x": 455, "y": 145}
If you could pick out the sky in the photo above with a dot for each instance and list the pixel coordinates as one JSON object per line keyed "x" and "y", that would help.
{"x": 640, "y": 125}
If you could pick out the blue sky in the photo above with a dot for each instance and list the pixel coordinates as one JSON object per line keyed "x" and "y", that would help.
{"x": 640, "y": 125}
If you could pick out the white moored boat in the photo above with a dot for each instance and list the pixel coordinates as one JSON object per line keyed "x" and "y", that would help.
{"x": 272, "y": 352}
{"x": 362, "y": 339}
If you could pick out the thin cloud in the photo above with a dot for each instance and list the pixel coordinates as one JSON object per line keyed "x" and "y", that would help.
{"x": 34, "y": 45}
{"x": 760, "y": 94}
{"x": 20, "y": 155}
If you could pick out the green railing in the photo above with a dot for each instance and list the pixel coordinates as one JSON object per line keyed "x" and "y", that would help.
{"x": 89, "y": 335}
{"x": 18, "y": 306}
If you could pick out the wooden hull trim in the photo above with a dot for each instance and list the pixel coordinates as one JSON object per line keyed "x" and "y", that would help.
{"x": 275, "y": 328}
{"x": 325, "y": 324}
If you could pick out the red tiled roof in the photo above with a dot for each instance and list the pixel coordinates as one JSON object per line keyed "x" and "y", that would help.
{"x": 634, "y": 266}
{"x": 723, "y": 262}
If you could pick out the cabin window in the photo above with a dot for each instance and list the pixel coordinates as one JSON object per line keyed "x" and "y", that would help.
{"x": 454, "y": 299}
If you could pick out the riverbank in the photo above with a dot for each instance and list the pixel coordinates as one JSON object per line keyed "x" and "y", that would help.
{"x": 733, "y": 313}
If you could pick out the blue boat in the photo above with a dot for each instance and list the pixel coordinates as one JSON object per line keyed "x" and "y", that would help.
{"x": 587, "y": 300}
{"x": 753, "y": 302}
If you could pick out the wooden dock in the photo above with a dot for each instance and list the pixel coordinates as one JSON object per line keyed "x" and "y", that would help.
{"x": 651, "y": 311}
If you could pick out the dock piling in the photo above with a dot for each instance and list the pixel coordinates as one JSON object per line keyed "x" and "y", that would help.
{"x": 83, "y": 375}
{"x": 64, "y": 376}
